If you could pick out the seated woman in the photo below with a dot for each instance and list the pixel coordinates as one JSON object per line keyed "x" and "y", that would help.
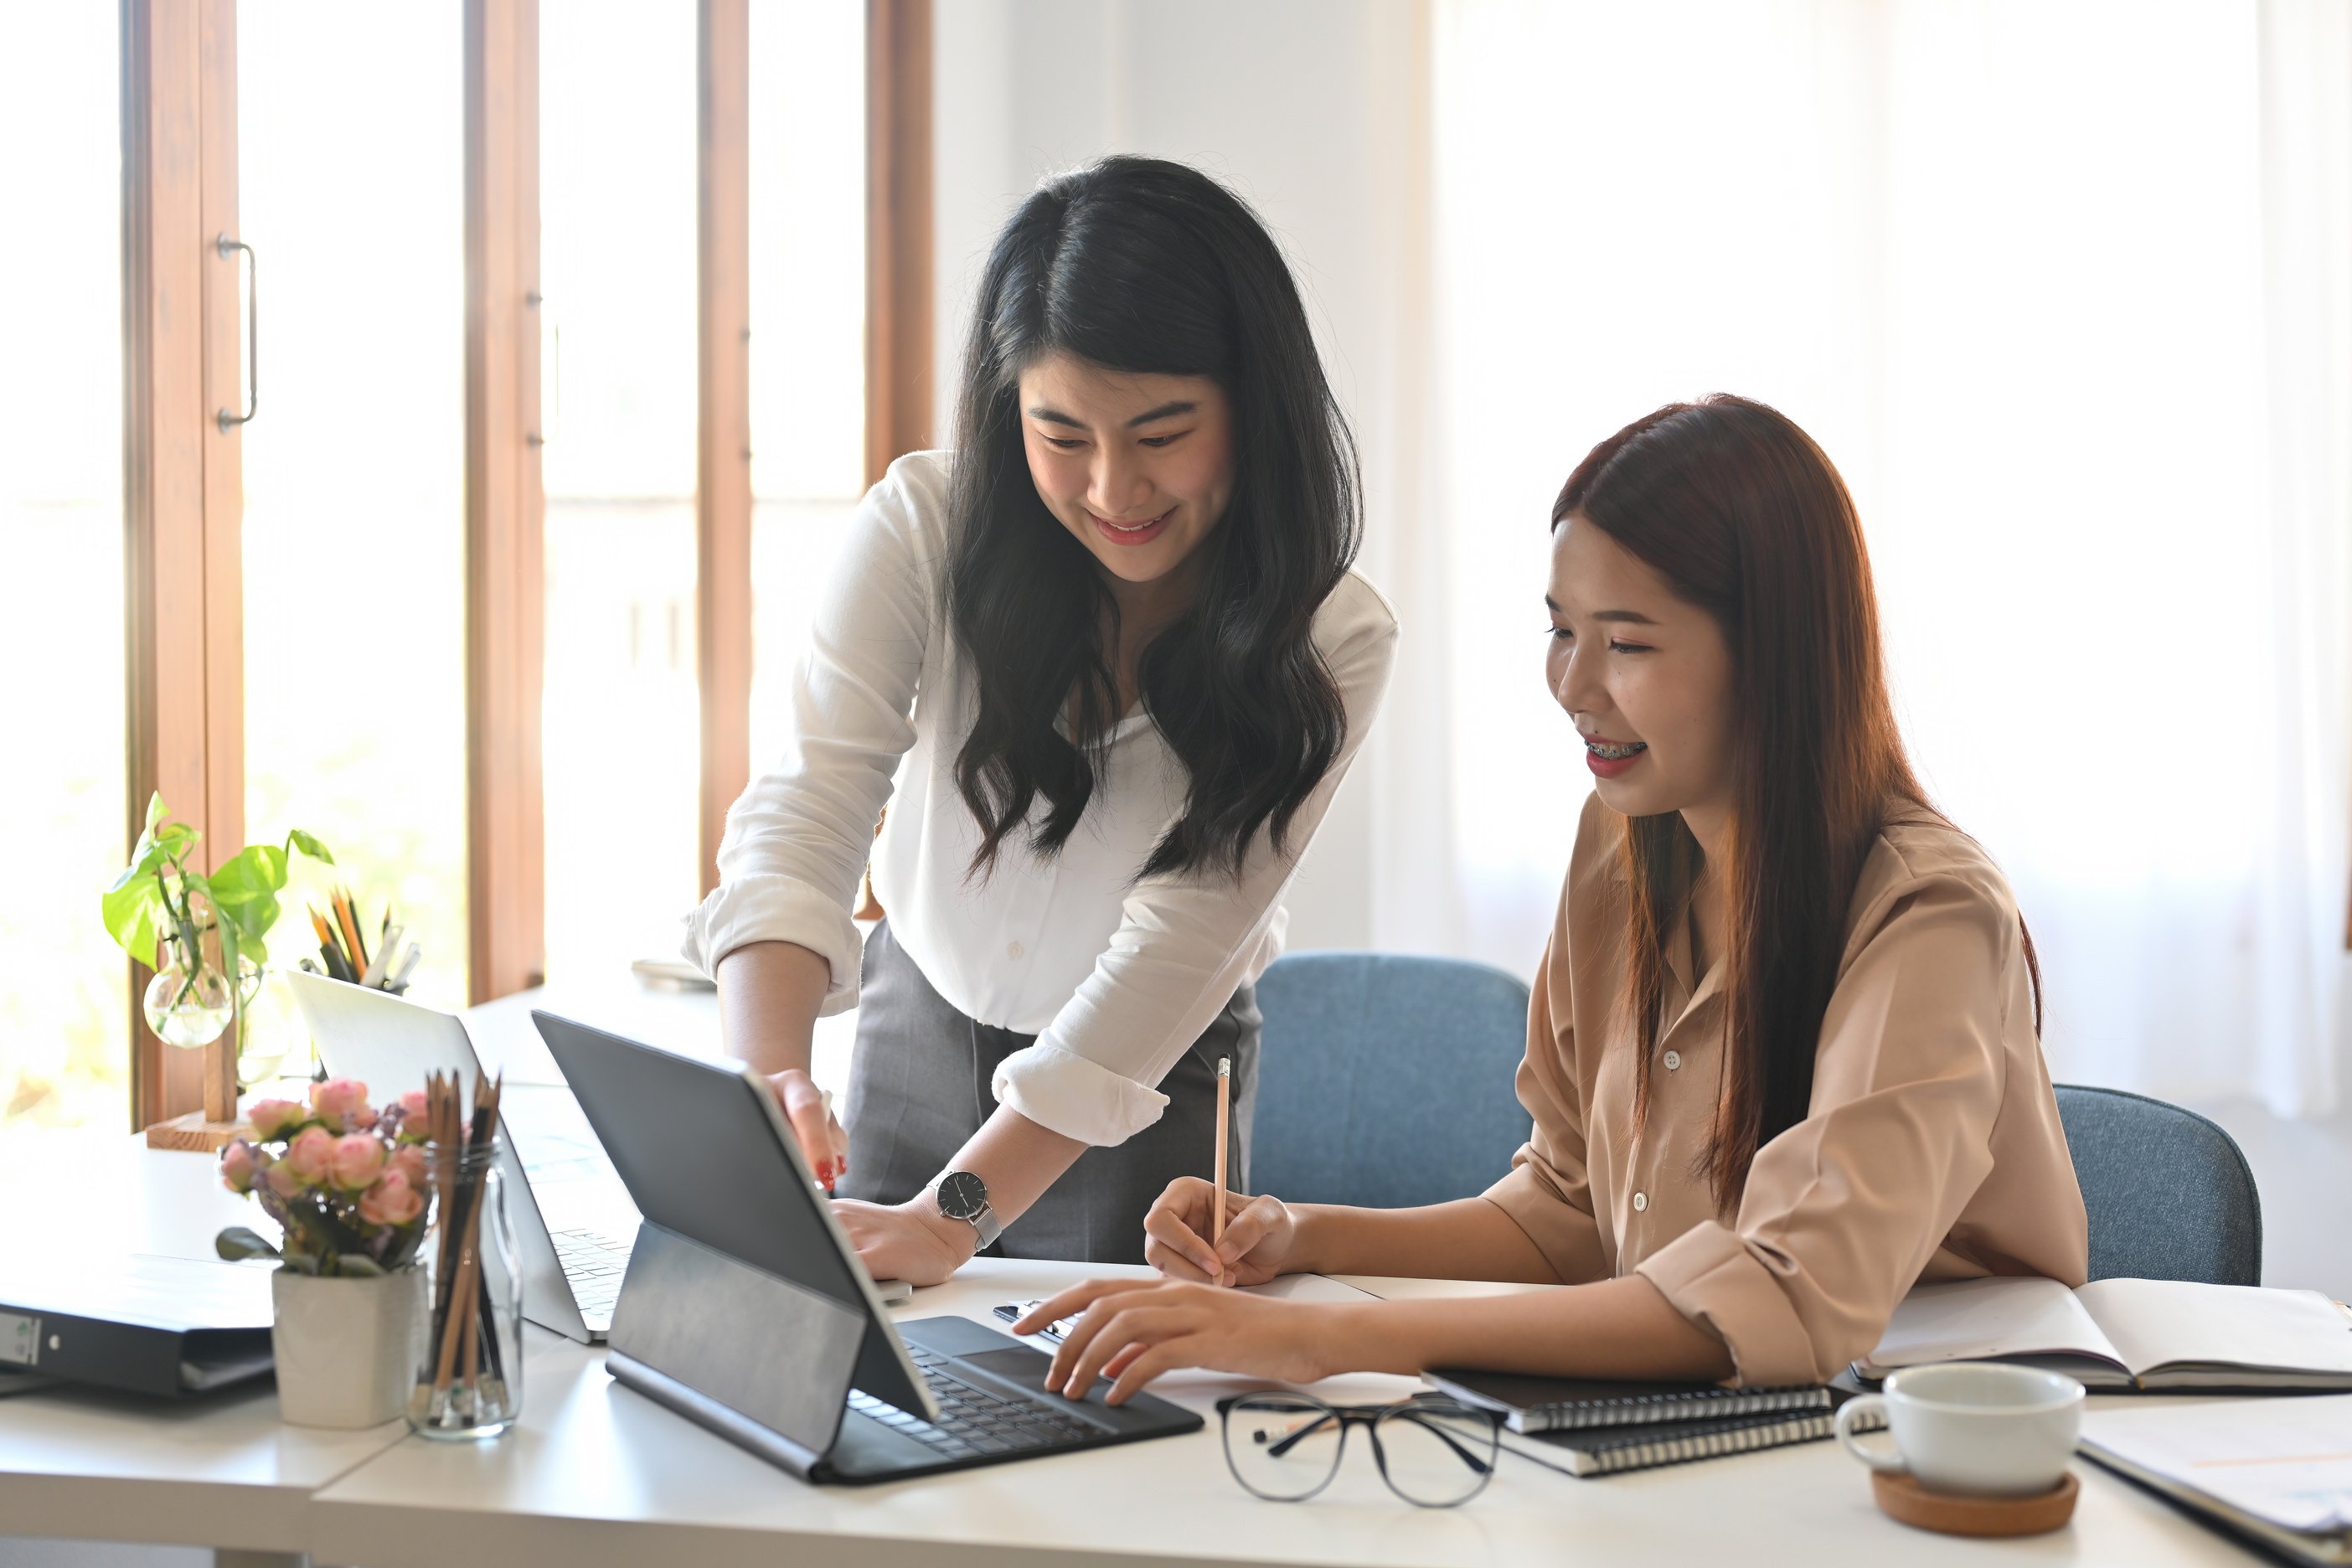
{"x": 1783, "y": 1055}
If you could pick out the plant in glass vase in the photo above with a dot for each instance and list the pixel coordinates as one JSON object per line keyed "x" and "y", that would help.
{"x": 207, "y": 934}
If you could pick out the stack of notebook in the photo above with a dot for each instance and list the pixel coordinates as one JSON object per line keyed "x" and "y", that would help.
{"x": 1592, "y": 1427}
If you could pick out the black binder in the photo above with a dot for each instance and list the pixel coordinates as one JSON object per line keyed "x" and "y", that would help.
{"x": 163, "y": 1326}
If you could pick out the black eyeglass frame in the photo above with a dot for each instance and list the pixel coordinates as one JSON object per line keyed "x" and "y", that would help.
{"x": 1369, "y": 1416}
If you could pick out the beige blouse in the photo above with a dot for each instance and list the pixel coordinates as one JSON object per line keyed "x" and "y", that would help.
{"x": 1932, "y": 1148}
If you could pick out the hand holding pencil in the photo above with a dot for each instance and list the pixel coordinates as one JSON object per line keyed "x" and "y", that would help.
{"x": 1259, "y": 1235}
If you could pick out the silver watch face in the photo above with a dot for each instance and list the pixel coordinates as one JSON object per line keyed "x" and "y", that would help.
{"x": 962, "y": 1196}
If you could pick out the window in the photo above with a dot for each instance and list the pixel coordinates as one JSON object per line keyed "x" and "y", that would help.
{"x": 64, "y": 1002}
{"x": 352, "y": 192}
{"x": 808, "y": 330}
{"x": 622, "y": 748}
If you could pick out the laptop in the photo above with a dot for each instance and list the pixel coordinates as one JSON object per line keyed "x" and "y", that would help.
{"x": 746, "y": 1309}
{"x": 573, "y": 1219}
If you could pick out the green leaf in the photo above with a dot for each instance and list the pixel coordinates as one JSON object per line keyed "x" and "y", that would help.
{"x": 245, "y": 889}
{"x": 154, "y": 852}
{"x": 238, "y": 1243}
{"x": 300, "y": 1262}
{"x": 129, "y": 909}
{"x": 358, "y": 1265}
{"x": 298, "y": 839}
{"x": 156, "y": 812}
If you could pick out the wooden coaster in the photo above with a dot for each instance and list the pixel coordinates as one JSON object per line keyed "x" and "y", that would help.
{"x": 1902, "y": 1497}
{"x": 194, "y": 1133}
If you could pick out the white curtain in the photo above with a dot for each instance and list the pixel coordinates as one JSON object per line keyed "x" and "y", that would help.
{"x": 2066, "y": 290}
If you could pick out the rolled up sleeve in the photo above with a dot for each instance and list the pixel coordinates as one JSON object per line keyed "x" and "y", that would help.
{"x": 1549, "y": 1193}
{"x": 1184, "y": 944}
{"x": 1843, "y": 1212}
{"x": 798, "y": 839}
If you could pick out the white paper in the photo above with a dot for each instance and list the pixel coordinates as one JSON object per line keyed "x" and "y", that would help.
{"x": 2285, "y": 1459}
{"x": 1968, "y": 1319}
{"x": 2160, "y": 1322}
{"x": 1309, "y": 1287}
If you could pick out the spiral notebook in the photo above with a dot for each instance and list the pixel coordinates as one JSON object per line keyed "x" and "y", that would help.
{"x": 1531, "y": 1405}
{"x": 1612, "y": 1450}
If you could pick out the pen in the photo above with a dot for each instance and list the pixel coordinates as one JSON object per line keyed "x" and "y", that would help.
{"x": 1224, "y": 1109}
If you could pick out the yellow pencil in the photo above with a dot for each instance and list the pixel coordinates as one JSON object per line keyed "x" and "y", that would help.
{"x": 1225, "y": 1115}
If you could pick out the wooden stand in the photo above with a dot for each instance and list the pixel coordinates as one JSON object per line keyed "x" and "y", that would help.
{"x": 1901, "y": 1497}
{"x": 217, "y": 1124}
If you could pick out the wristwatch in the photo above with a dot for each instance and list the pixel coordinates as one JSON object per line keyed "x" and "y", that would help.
{"x": 964, "y": 1197}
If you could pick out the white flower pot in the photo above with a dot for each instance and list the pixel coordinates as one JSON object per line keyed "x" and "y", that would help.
{"x": 347, "y": 1349}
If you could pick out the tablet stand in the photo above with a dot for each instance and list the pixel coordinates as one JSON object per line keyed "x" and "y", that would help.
{"x": 762, "y": 1362}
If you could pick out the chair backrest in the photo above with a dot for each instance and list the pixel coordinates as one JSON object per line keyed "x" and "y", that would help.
{"x": 2168, "y": 1194}
{"x": 1386, "y": 1080}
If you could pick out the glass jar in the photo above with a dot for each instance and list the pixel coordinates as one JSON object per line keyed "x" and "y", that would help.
{"x": 470, "y": 1381}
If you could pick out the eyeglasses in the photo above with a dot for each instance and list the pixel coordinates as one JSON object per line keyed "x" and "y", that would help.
{"x": 1285, "y": 1447}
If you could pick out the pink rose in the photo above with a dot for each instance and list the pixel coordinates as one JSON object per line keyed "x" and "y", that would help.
{"x": 409, "y": 1160}
{"x": 282, "y": 1182}
{"x": 310, "y": 1157}
{"x": 335, "y": 1101}
{"x": 357, "y": 1160}
{"x": 238, "y": 1167}
{"x": 391, "y": 1201}
{"x": 413, "y": 1112}
{"x": 274, "y": 1119}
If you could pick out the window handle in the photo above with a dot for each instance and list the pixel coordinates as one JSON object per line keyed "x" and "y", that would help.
{"x": 228, "y": 417}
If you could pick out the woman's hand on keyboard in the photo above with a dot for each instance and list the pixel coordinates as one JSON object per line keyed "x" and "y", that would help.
{"x": 1260, "y": 1235}
{"x": 1133, "y": 1330}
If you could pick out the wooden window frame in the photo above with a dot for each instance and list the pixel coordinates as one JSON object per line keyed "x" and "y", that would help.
{"x": 722, "y": 469}
{"x": 898, "y": 231}
{"x": 506, "y": 506}
{"x": 183, "y": 477}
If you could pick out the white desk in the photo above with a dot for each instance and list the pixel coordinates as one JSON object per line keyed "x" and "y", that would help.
{"x": 86, "y": 1463}
{"x": 596, "y": 1475}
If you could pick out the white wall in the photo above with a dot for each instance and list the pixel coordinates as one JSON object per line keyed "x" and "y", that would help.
{"x": 1305, "y": 109}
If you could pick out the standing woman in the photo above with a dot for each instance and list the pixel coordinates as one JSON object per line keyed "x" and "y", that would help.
{"x": 1111, "y": 656}
{"x": 1783, "y": 1055}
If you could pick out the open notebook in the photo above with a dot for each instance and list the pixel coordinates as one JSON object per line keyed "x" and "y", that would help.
{"x": 2127, "y": 1333}
{"x": 2277, "y": 1469}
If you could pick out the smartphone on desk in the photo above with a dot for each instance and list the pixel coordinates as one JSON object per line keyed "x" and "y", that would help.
{"x": 1052, "y": 1334}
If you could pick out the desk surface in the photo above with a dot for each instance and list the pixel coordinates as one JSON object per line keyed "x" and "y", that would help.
{"x": 91, "y": 1465}
{"x": 595, "y": 1474}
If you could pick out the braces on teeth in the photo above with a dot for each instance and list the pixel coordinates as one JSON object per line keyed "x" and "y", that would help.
{"x": 1609, "y": 753}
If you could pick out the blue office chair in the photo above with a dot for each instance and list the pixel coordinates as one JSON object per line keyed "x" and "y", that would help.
{"x": 1386, "y": 1080}
{"x": 2169, "y": 1194}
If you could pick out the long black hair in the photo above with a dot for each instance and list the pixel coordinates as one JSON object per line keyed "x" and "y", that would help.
{"x": 1151, "y": 268}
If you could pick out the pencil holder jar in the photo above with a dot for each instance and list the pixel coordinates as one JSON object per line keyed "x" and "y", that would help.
{"x": 470, "y": 1381}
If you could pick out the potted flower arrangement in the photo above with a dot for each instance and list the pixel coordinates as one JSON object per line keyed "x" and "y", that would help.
{"x": 346, "y": 1182}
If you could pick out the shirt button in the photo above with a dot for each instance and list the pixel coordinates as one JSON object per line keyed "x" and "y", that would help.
{"x": 1640, "y": 1202}
{"x": 1015, "y": 951}
{"x": 1674, "y": 1060}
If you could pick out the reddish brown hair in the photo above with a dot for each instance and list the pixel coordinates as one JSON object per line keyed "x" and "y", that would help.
{"x": 1746, "y": 518}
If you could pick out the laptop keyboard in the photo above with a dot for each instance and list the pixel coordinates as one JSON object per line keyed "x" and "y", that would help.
{"x": 973, "y": 1421}
{"x": 594, "y": 1263}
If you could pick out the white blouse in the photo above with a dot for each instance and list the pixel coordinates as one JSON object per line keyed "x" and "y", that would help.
{"x": 1116, "y": 976}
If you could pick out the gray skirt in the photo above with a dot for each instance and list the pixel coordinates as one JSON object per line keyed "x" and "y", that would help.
{"x": 919, "y": 1086}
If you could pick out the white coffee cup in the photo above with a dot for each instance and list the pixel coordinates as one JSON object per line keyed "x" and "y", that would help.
{"x": 1978, "y": 1427}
